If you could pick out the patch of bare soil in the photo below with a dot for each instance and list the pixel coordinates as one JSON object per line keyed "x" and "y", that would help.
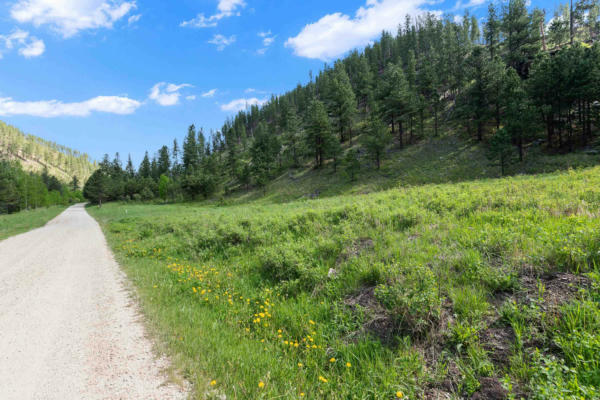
{"x": 557, "y": 288}
{"x": 379, "y": 323}
{"x": 491, "y": 389}
{"x": 497, "y": 341}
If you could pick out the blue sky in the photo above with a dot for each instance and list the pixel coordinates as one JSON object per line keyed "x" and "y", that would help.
{"x": 103, "y": 76}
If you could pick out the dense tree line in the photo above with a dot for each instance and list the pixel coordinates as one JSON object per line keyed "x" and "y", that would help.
{"x": 20, "y": 190}
{"x": 61, "y": 160}
{"x": 508, "y": 82}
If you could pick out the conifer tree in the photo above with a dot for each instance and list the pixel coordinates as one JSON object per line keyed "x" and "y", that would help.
{"x": 318, "y": 131}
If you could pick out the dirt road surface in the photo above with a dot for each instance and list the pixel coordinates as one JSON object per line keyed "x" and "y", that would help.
{"x": 69, "y": 328}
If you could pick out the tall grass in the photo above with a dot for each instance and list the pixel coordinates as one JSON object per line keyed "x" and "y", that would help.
{"x": 14, "y": 224}
{"x": 380, "y": 296}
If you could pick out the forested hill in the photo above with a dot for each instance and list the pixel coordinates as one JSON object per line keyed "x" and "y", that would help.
{"x": 36, "y": 154}
{"x": 511, "y": 84}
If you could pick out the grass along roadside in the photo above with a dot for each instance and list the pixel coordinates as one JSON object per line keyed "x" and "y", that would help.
{"x": 471, "y": 289}
{"x": 24, "y": 221}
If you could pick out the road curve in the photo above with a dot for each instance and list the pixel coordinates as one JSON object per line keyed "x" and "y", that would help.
{"x": 68, "y": 326}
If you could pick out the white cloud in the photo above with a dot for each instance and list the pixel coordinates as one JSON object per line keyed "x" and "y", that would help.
{"x": 222, "y": 41}
{"x": 166, "y": 94}
{"x": 210, "y": 93}
{"x": 133, "y": 19}
{"x": 35, "y": 48}
{"x": 241, "y": 104}
{"x": 267, "y": 40}
{"x": 29, "y": 46}
{"x": 71, "y": 16}
{"x": 55, "y": 108}
{"x": 471, "y": 3}
{"x": 190, "y": 98}
{"x": 225, "y": 8}
{"x": 335, "y": 34}
{"x": 250, "y": 90}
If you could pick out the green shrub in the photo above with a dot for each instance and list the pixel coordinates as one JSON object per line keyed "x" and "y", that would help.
{"x": 413, "y": 300}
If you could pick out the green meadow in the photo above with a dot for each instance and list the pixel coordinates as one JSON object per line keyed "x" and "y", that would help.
{"x": 487, "y": 288}
{"x": 14, "y": 224}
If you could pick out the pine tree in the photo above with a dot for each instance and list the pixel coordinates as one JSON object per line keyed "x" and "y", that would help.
{"x": 164, "y": 161}
{"x": 341, "y": 101}
{"x": 393, "y": 95}
{"x": 318, "y": 131}
{"x": 375, "y": 139}
{"x": 351, "y": 163}
{"x": 129, "y": 170}
{"x": 492, "y": 31}
{"x": 190, "y": 151}
{"x": 96, "y": 188}
{"x": 522, "y": 40}
{"x": 145, "y": 169}
{"x": 500, "y": 149}
{"x": 264, "y": 152}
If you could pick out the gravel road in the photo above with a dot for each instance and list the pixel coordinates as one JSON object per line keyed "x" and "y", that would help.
{"x": 69, "y": 328}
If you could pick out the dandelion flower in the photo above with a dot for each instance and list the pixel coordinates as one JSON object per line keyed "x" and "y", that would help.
{"x": 301, "y": 394}
{"x": 332, "y": 360}
{"x": 348, "y": 365}
{"x": 300, "y": 365}
{"x": 213, "y": 382}
{"x": 322, "y": 379}
{"x": 261, "y": 384}
{"x": 399, "y": 394}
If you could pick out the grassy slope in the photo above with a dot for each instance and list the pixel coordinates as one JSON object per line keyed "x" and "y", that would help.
{"x": 426, "y": 290}
{"x": 24, "y": 221}
{"x": 442, "y": 160}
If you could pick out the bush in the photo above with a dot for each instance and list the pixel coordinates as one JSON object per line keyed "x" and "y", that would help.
{"x": 413, "y": 300}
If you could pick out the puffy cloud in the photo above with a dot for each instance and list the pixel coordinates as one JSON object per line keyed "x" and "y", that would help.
{"x": 29, "y": 46}
{"x": 222, "y": 41}
{"x": 191, "y": 97}
{"x": 55, "y": 108}
{"x": 71, "y": 16}
{"x": 210, "y": 93}
{"x": 225, "y": 8}
{"x": 35, "y": 48}
{"x": 241, "y": 104}
{"x": 335, "y": 34}
{"x": 166, "y": 94}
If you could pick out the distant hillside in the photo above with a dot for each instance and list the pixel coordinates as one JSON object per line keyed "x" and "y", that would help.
{"x": 35, "y": 153}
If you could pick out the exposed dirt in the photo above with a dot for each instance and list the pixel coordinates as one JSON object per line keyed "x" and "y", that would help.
{"x": 491, "y": 389}
{"x": 558, "y": 288}
{"x": 379, "y": 324}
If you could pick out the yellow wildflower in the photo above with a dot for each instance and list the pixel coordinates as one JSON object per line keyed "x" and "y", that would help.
{"x": 261, "y": 384}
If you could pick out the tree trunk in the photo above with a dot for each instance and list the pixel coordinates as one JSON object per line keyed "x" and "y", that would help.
{"x": 435, "y": 111}
{"x": 479, "y": 130}
{"x": 401, "y": 133}
{"x": 550, "y": 128}
{"x": 411, "y": 129}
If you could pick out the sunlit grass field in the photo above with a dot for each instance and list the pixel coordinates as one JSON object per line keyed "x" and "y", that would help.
{"x": 487, "y": 288}
{"x": 24, "y": 221}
